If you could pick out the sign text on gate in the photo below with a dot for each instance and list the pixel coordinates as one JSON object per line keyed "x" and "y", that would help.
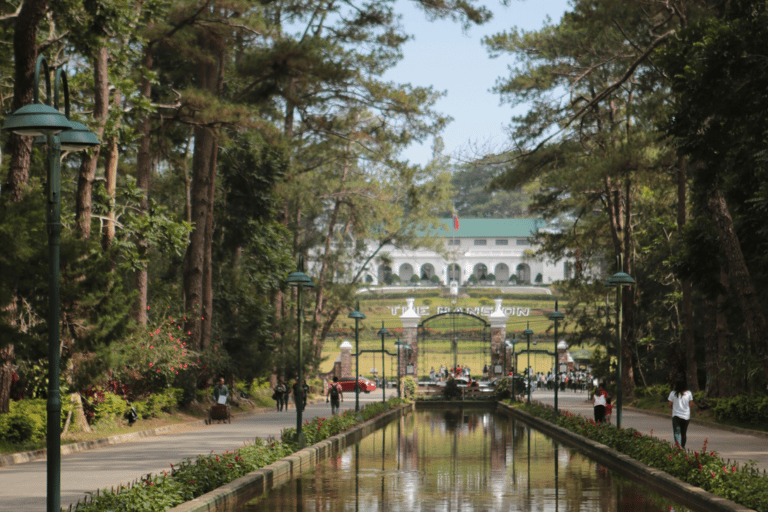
{"x": 477, "y": 311}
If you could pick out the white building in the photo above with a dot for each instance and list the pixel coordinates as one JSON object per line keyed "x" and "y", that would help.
{"x": 498, "y": 250}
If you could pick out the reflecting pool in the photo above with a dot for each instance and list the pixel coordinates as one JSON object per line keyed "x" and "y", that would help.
{"x": 460, "y": 460}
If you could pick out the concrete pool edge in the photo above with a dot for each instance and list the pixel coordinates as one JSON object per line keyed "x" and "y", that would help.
{"x": 247, "y": 487}
{"x": 682, "y": 492}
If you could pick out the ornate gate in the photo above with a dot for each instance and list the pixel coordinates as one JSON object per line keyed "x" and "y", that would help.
{"x": 454, "y": 338}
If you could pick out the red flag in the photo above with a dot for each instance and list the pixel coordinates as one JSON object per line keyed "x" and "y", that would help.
{"x": 455, "y": 222}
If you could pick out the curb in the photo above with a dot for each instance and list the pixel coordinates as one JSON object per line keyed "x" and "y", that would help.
{"x": 10, "y": 459}
{"x": 682, "y": 492}
{"x": 269, "y": 477}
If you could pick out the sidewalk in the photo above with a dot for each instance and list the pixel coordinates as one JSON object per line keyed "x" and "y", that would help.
{"x": 23, "y": 486}
{"x": 734, "y": 444}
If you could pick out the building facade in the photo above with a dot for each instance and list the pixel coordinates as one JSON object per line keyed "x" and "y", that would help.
{"x": 498, "y": 251}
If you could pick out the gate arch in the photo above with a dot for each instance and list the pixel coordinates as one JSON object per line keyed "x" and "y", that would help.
{"x": 445, "y": 337}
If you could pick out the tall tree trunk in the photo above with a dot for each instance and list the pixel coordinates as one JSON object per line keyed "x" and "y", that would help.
{"x": 20, "y": 148}
{"x": 24, "y": 56}
{"x": 7, "y": 357}
{"x": 207, "y": 310}
{"x": 726, "y": 384}
{"x": 197, "y": 304}
{"x": 629, "y": 298}
{"x": 194, "y": 259}
{"x": 110, "y": 173}
{"x": 739, "y": 277}
{"x": 89, "y": 162}
{"x": 688, "y": 339}
{"x": 143, "y": 177}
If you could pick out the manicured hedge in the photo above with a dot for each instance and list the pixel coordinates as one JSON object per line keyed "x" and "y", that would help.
{"x": 705, "y": 469}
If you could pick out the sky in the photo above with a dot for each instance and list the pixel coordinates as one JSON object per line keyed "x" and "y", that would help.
{"x": 441, "y": 55}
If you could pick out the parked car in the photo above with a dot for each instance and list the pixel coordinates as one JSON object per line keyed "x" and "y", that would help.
{"x": 348, "y": 384}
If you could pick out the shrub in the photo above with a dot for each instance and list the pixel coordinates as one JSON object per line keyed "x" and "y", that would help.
{"x": 409, "y": 386}
{"x": 539, "y": 279}
{"x": 434, "y": 279}
{"x": 415, "y": 278}
{"x": 261, "y": 393}
{"x": 25, "y": 424}
{"x": 109, "y": 408}
{"x": 426, "y": 302}
{"x": 153, "y": 357}
{"x": 749, "y": 410}
{"x": 490, "y": 277}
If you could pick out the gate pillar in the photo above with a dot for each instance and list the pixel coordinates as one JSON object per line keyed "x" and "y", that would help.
{"x": 345, "y": 360}
{"x": 498, "y": 321}
{"x": 410, "y": 320}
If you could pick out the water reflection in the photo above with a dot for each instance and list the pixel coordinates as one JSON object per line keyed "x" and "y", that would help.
{"x": 463, "y": 460}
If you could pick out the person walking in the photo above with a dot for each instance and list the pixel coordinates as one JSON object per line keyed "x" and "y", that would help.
{"x": 334, "y": 395}
{"x": 220, "y": 392}
{"x": 599, "y": 403}
{"x": 680, "y": 401}
{"x": 279, "y": 396}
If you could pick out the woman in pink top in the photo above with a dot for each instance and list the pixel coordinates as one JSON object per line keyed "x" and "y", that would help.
{"x": 680, "y": 401}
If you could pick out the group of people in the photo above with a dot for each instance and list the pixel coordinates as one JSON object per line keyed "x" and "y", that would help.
{"x": 680, "y": 401}
{"x": 443, "y": 373}
{"x": 282, "y": 394}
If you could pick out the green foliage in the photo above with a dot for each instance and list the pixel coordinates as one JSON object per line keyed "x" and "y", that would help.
{"x": 154, "y": 405}
{"x": 25, "y": 422}
{"x": 434, "y": 279}
{"x": 261, "y": 393}
{"x": 415, "y": 279}
{"x": 152, "y": 358}
{"x": 409, "y": 386}
{"x": 704, "y": 469}
{"x": 110, "y": 408}
{"x": 746, "y": 410}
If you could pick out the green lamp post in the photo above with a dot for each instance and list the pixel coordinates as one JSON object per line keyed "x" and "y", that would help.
{"x": 357, "y": 315}
{"x": 556, "y": 316}
{"x": 383, "y": 332}
{"x": 528, "y": 332}
{"x": 300, "y": 280}
{"x": 43, "y": 120}
{"x": 619, "y": 280}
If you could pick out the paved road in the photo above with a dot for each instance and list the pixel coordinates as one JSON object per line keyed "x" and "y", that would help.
{"x": 730, "y": 445}
{"x": 23, "y": 486}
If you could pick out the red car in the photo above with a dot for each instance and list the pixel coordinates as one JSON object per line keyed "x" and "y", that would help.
{"x": 348, "y": 384}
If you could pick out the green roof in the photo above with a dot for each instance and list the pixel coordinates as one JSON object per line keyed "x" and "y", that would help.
{"x": 490, "y": 228}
